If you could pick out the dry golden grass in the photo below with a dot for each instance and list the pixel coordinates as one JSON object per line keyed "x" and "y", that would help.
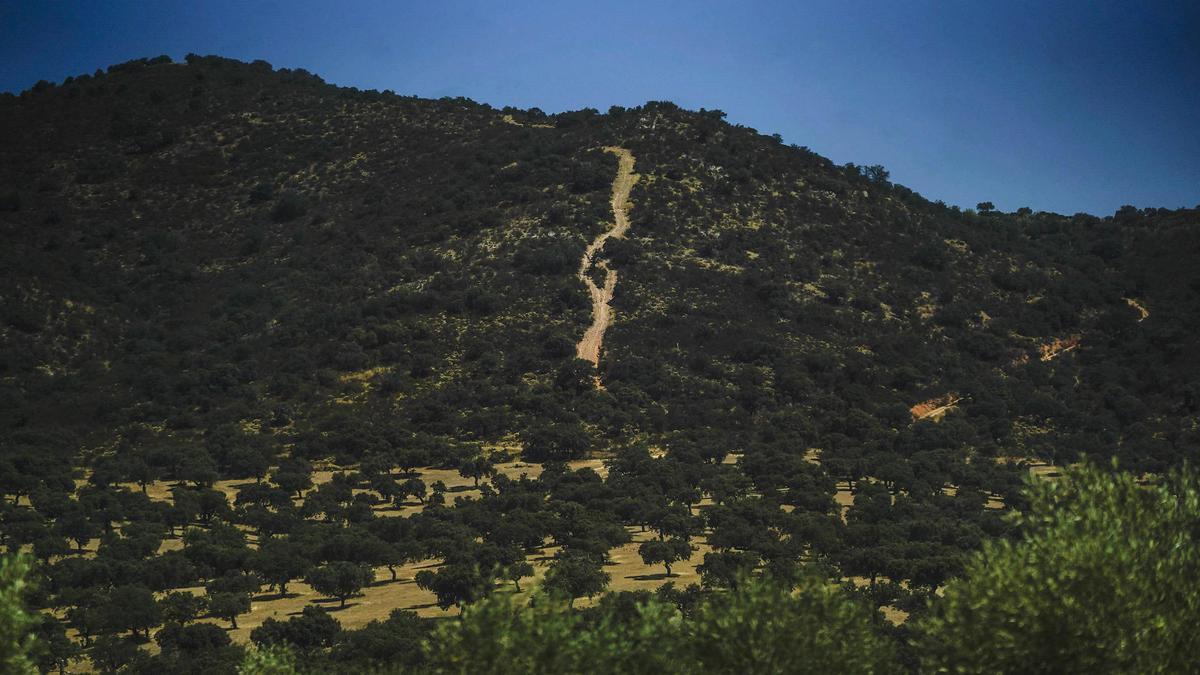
{"x": 385, "y": 595}
{"x": 1059, "y": 346}
{"x": 1143, "y": 313}
{"x": 509, "y": 119}
{"x": 626, "y": 569}
{"x": 935, "y": 408}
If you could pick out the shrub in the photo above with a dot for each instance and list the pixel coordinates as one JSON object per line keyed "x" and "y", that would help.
{"x": 289, "y": 206}
{"x": 1102, "y": 580}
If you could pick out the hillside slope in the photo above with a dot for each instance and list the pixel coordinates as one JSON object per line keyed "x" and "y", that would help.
{"x": 212, "y": 272}
{"x": 192, "y": 247}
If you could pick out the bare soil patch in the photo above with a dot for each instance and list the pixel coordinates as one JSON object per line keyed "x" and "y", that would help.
{"x": 589, "y": 345}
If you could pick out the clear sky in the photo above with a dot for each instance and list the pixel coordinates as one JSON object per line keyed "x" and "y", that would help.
{"x": 1060, "y": 106}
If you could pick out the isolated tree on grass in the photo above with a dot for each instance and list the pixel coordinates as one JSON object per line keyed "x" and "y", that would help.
{"x": 340, "y": 579}
{"x": 76, "y": 526}
{"x": 278, "y": 561}
{"x": 555, "y": 442}
{"x": 386, "y": 486}
{"x": 476, "y": 468}
{"x": 575, "y": 574}
{"x": 196, "y": 648}
{"x": 229, "y": 596}
{"x": 414, "y": 487}
{"x": 293, "y": 475}
{"x": 516, "y": 571}
{"x": 454, "y": 584}
{"x": 180, "y": 607}
{"x": 228, "y": 605}
{"x": 665, "y": 552}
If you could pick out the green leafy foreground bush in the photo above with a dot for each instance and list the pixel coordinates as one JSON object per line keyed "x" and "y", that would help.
{"x": 761, "y": 627}
{"x": 1101, "y": 580}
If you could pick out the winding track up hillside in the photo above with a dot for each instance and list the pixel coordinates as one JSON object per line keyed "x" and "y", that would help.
{"x": 589, "y": 346}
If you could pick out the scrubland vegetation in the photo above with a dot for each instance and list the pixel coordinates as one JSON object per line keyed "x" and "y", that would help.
{"x": 1097, "y": 580}
{"x": 290, "y": 368}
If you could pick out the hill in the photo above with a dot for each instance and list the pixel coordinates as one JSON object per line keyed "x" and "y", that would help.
{"x": 215, "y": 272}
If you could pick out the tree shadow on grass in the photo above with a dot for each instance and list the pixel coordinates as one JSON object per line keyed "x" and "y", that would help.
{"x": 332, "y": 605}
{"x": 268, "y": 597}
{"x": 659, "y": 576}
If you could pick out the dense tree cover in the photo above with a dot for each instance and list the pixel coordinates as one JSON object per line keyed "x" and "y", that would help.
{"x": 1100, "y": 579}
{"x": 217, "y": 272}
{"x": 764, "y": 627}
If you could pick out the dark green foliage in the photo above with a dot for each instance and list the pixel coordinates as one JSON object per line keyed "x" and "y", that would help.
{"x": 340, "y": 579}
{"x": 455, "y": 584}
{"x": 228, "y": 605}
{"x": 764, "y": 627}
{"x": 397, "y": 641}
{"x": 555, "y": 442}
{"x": 665, "y": 552}
{"x": 10, "y": 200}
{"x": 279, "y": 561}
{"x": 312, "y": 631}
{"x": 575, "y": 574}
{"x": 180, "y": 607}
{"x": 289, "y": 206}
{"x": 198, "y": 648}
{"x": 53, "y": 650}
{"x": 131, "y": 608}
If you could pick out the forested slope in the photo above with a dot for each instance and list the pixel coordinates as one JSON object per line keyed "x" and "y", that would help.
{"x": 217, "y": 271}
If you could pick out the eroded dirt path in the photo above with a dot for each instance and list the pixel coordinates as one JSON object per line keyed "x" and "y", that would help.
{"x": 589, "y": 346}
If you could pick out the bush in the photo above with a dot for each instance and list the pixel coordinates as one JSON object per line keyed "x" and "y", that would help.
{"x": 555, "y": 442}
{"x": 16, "y": 639}
{"x": 762, "y": 628}
{"x": 10, "y": 200}
{"x": 497, "y": 636}
{"x": 289, "y": 206}
{"x": 1102, "y": 580}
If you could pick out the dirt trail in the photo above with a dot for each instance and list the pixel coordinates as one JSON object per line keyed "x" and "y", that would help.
{"x": 1143, "y": 313}
{"x": 589, "y": 347}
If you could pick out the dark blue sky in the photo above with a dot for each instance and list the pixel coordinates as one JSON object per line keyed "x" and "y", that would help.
{"x": 1060, "y": 106}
